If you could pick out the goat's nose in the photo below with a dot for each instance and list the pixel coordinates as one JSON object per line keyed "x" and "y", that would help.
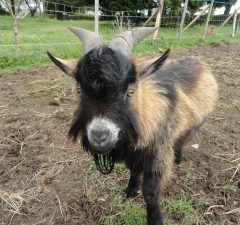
{"x": 100, "y": 136}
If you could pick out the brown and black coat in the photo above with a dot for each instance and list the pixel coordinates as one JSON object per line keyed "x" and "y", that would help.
{"x": 140, "y": 112}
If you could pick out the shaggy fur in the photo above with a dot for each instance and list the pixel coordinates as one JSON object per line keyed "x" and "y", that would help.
{"x": 168, "y": 104}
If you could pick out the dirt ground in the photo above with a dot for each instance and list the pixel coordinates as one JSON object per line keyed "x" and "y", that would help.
{"x": 47, "y": 179}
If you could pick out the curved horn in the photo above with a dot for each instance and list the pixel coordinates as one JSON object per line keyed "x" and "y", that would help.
{"x": 89, "y": 39}
{"x": 126, "y": 41}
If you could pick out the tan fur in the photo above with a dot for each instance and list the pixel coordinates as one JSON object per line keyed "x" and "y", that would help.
{"x": 194, "y": 107}
{"x": 71, "y": 65}
{"x": 142, "y": 63}
{"x": 164, "y": 161}
{"x": 149, "y": 108}
{"x": 151, "y": 105}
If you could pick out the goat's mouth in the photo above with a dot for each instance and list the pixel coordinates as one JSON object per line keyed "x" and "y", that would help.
{"x": 104, "y": 162}
{"x": 104, "y": 157}
{"x": 102, "y": 149}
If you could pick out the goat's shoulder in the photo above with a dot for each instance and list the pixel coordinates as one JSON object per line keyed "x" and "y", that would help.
{"x": 186, "y": 73}
{"x": 189, "y": 69}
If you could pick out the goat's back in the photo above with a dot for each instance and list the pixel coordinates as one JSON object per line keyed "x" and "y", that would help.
{"x": 177, "y": 97}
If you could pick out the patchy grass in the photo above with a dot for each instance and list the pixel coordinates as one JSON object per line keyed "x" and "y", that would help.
{"x": 36, "y": 36}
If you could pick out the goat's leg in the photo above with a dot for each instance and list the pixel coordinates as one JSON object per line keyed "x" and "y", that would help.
{"x": 178, "y": 146}
{"x": 151, "y": 193}
{"x": 133, "y": 184}
{"x": 183, "y": 140}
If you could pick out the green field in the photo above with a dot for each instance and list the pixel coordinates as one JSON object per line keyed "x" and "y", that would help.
{"x": 36, "y": 36}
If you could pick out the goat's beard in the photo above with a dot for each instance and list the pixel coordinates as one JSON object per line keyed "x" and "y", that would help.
{"x": 104, "y": 163}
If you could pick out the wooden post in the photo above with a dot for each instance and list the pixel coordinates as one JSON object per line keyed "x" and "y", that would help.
{"x": 43, "y": 9}
{"x": 150, "y": 18}
{"x": 96, "y": 16}
{"x": 183, "y": 18}
{"x": 227, "y": 19}
{"x": 208, "y": 18}
{"x": 158, "y": 19}
{"x": 234, "y": 23}
{"x": 238, "y": 22}
{"x": 193, "y": 21}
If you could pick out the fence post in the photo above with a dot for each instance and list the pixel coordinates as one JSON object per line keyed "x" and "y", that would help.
{"x": 150, "y": 18}
{"x": 195, "y": 18}
{"x": 96, "y": 16}
{"x": 158, "y": 19}
{"x": 208, "y": 18}
{"x": 237, "y": 24}
{"x": 234, "y": 23}
{"x": 227, "y": 19}
{"x": 183, "y": 18}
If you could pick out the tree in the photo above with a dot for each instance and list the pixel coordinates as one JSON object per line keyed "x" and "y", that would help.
{"x": 68, "y": 4}
{"x": 224, "y": 3}
{"x": 172, "y": 5}
{"x": 13, "y": 7}
{"x": 176, "y": 6}
{"x": 128, "y": 5}
{"x": 34, "y": 5}
{"x": 194, "y": 6}
{"x": 132, "y": 9}
{"x": 228, "y": 6}
{"x": 31, "y": 8}
{"x": 3, "y": 11}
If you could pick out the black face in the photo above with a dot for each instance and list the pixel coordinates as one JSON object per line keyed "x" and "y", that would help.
{"x": 106, "y": 80}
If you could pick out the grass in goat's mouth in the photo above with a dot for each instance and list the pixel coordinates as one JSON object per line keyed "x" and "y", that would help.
{"x": 104, "y": 163}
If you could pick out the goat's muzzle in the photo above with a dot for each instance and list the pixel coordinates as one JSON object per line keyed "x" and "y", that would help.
{"x": 102, "y": 135}
{"x": 100, "y": 141}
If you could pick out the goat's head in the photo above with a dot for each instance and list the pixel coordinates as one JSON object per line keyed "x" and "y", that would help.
{"x": 106, "y": 80}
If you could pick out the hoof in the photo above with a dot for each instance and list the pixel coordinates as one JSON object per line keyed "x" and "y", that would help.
{"x": 131, "y": 192}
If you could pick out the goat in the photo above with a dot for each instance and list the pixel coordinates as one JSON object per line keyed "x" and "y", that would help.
{"x": 138, "y": 112}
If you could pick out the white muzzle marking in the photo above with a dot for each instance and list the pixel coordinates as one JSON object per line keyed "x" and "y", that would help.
{"x": 102, "y": 134}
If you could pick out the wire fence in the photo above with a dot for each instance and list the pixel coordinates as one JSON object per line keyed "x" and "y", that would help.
{"x": 37, "y": 35}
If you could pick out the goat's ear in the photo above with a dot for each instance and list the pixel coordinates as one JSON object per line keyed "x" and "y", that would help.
{"x": 68, "y": 67}
{"x": 157, "y": 64}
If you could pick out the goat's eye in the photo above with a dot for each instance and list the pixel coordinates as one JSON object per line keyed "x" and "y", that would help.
{"x": 131, "y": 89}
{"x": 78, "y": 88}
{"x": 79, "y": 91}
{"x": 130, "y": 93}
